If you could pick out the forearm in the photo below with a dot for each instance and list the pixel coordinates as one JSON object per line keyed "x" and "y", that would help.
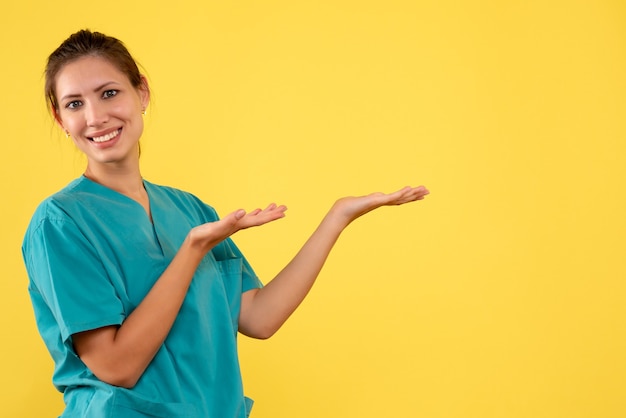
{"x": 268, "y": 308}
{"x": 264, "y": 311}
{"x": 120, "y": 355}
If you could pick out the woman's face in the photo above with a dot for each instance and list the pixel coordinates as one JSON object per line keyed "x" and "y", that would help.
{"x": 101, "y": 110}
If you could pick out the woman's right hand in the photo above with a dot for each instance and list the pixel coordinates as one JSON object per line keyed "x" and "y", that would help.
{"x": 119, "y": 355}
{"x": 206, "y": 236}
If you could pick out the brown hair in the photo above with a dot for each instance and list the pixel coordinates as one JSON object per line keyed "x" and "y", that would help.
{"x": 86, "y": 43}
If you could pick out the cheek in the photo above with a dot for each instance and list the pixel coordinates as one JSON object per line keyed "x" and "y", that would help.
{"x": 78, "y": 144}
{"x": 129, "y": 110}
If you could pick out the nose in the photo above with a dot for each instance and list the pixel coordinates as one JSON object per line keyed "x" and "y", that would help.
{"x": 96, "y": 114}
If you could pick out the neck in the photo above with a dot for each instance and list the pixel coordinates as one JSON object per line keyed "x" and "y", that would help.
{"x": 125, "y": 180}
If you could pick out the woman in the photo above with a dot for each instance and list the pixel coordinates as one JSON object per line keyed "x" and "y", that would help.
{"x": 138, "y": 290}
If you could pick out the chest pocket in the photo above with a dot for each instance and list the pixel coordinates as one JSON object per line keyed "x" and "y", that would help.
{"x": 231, "y": 272}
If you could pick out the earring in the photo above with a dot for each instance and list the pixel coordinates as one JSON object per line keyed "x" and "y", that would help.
{"x": 67, "y": 134}
{"x": 144, "y": 112}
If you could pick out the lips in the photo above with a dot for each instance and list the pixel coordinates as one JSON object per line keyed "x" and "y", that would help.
{"x": 106, "y": 137}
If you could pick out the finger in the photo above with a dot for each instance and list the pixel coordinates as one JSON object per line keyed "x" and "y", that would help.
{"x": 238, "y": 214}
{"x": 281, "y": 208}
{"x": 405, "y": 191}
{"x": 409, "y": 194}
{"x": 227, "y": 223}
{"x": 270, "y": 213}
{"x": 273, "y": 207}
{"x": 397, "y": 196}
{"x": 420, "y": 190}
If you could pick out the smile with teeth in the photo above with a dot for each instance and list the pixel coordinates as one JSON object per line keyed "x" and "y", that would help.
{"x": 107, "y": 137}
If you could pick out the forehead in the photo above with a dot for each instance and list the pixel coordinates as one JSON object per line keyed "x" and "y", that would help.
{"x": 87, "y": 73}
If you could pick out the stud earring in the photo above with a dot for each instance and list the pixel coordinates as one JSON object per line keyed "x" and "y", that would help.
{"x": 67, "y": 134}
{"x": 144, "y": 112}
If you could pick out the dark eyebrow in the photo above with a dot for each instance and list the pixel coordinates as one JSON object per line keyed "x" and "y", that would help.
{"x": 99, "y": 88}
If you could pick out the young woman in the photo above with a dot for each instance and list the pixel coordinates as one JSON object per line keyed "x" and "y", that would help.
{"x": 138, "y": 290}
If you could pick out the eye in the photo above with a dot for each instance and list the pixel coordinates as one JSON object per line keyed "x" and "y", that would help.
{"x": 73, "y": 104}
{"x": 107, "y": 94}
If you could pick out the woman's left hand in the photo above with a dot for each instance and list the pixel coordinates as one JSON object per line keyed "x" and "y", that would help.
{"x": 350, "y": 208}
{"x": 264, "y": 310}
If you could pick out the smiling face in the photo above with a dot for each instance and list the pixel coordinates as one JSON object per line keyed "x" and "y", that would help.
{"x": 101, "y": 110}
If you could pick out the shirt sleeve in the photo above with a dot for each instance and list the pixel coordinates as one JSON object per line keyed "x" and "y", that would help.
{"x": 68, "y": 274}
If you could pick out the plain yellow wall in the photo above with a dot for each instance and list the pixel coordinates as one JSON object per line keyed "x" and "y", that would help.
{"x": 501, "y": 295}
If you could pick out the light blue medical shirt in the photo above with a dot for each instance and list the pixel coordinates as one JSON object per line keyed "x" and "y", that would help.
{"x": 92, "y": 255}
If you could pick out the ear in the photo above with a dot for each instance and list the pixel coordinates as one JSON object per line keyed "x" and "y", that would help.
{"x": 144, "y": 92}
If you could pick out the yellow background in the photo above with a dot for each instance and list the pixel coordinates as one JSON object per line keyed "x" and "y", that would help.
{"x": 501, "y": 295}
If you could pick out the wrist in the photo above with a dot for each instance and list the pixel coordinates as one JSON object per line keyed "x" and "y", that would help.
{"x": 193, "y": 248}
{"x": 335, "y": 219}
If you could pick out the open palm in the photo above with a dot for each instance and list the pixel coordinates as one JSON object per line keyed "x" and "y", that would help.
{"x": 353, "y": 207}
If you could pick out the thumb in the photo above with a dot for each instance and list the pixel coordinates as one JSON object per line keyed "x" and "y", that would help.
{"x": 240, "y": 214}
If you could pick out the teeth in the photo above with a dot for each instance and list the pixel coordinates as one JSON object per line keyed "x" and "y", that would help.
{"x": 106, "y": 137}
